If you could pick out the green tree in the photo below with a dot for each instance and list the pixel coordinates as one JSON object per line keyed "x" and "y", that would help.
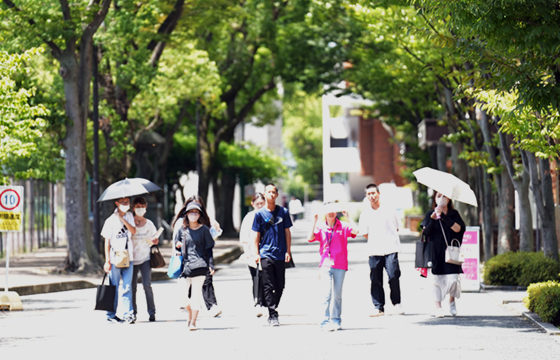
{"x": 525, "y": 68}
{"x": 67, "y": 31}
{"x": 303, "y": 133}
{"x": 21, "y": 123}
{"x": 255, "y": 44}
{"x": 407, "y": 64}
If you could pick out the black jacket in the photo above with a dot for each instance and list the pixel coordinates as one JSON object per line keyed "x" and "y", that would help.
{"x": 434, "y": 234}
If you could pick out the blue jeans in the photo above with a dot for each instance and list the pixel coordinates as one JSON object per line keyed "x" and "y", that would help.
{"x": 391, "y": 264}
{"x": 146, "y": 271}
{"x": 331, "y": 288}
{"x": 124, "y": 292}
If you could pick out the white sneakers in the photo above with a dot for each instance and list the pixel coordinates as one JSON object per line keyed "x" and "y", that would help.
{"x": 215, "y": 311}
{"x": 398, "y": 308}
{"x": 329, "y": 327}
{"x": 453, "y": 308}
{"x": 439, "y": 313}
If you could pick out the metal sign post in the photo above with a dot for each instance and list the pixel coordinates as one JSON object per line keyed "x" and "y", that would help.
{"x": 11, "y": 219}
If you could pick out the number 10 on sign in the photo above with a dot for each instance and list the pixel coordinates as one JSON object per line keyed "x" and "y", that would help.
{"x": 11, "y": 208}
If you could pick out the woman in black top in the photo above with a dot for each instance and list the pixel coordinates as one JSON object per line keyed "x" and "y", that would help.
{"x": 444, "y": 218}
{"x": 195, "y": 243}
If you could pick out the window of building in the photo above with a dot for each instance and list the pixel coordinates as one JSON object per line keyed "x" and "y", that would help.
{"x": 339, "y": 178}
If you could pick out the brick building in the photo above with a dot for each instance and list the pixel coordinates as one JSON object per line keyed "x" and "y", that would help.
{"x": 356, "y": 151}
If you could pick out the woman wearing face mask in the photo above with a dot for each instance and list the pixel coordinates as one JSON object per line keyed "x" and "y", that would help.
{"x": 195, "y": 243}
{"x": 142, "y": 242}
{"x": 215, "y": 230}
{"x": 444, "y": 218}
{"x": 246, "y": 238}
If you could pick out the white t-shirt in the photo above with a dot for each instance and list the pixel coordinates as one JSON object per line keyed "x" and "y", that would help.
{"x": 118, "y": 234}
{"x": 381, "y": 226}
{"x": 141, "y": 242}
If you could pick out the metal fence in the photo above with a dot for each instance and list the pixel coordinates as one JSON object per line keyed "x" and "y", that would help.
{"x": 43, "y": 218}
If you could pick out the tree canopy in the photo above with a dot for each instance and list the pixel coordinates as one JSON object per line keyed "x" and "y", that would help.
{"x": 21, "y": 122}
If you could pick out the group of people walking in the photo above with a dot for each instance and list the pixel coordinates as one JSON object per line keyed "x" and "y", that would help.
{"x": 266, "y": 239}
{"x": 132, "y": 233}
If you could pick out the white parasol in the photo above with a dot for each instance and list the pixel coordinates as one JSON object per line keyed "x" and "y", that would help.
{"x": 446, "y": 184}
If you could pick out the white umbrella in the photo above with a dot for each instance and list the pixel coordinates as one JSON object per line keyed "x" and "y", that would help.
{"x": 446, "y": 184}
{"x": 127, "y": 188}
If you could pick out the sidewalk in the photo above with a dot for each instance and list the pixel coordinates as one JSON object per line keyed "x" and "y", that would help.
{"x": 37, "y": 272}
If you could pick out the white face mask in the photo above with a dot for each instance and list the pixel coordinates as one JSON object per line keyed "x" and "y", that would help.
{"x": 124, "y": 208}
{"x": 140, "y": 211}
{"x": 193, "y": 217}
{"x": 442, "y": 201}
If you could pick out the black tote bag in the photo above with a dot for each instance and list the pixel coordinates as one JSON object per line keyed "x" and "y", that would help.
{"x": 105, "y": 297}
{"x": 424, "y": 253}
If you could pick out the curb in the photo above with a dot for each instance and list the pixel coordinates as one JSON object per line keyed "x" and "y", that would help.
{"x": 483, "y": 286}
{"x": 518, "y": 307}
{"x": 52, "y": 287}
{"x": 225, "y": 257}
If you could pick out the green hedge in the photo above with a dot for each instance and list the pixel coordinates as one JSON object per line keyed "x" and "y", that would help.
{"x": 520, "y": 269}
{"x": 544, "y": 299}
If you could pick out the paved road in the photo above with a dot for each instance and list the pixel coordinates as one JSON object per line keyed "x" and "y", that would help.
{"x": 63, "y": 325}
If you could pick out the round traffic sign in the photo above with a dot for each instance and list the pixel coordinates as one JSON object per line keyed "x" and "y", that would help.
{"x": 9, "y": 199}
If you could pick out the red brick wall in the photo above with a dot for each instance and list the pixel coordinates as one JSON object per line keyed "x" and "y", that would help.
{"x": 379, "y": 156}
{"x": 366, "y": 146}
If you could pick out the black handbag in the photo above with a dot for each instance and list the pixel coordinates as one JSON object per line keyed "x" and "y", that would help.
{"x": 105, "y": 297}
{"x": 156, "y": 259}
{"x": 424, "y": 253}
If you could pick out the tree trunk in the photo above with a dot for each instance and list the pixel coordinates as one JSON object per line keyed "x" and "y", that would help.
{"x": 506, "y": 221}
{"x": 506, "y": 198}
{"x": 223, "y": 201}
{"x": 526, "y": 235}
{"x": 541, "y": 185}
{"x": 461, "y": 170}
{"x": 486, "y": 208}
{"x": 77, "y": 224}
{"x": 521, "y": 185}
{"x": 441, "y": 157}
{"x": 207, "y": 158}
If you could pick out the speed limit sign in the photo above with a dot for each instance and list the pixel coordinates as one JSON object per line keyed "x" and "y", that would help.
{"x": 11, "y": 208}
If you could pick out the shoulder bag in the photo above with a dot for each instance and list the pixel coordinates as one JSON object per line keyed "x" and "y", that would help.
{"x": 453, "y": 251}
{"x": 121, "y": 259}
